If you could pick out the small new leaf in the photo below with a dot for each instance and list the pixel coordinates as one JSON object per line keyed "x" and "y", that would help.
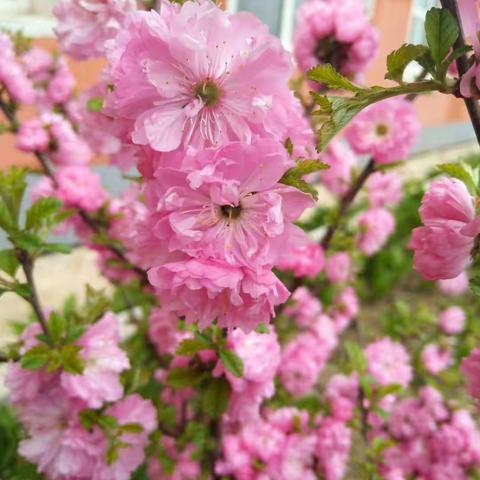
{"x": 191, "y": 346}
{"x": 399, "y": 59}
{"x": 327, "y": 75}
{"x": 184, "y": 377}
{"x": 8, "y": 262}
{"x": 475, "y": 285}
{"x": 231, "y": 361}
{"x": 35, "y": 358}
{"x": 216, "y": 396}
{"x": 293, "y": 176}
{"x": 95, "y": 104}
{"x": 441, "y": 30}
{"x": 459, "y": 171}
{"x": 40, "y": 214}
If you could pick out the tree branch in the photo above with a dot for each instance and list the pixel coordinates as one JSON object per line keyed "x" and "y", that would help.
{"x": 462, "y": 66}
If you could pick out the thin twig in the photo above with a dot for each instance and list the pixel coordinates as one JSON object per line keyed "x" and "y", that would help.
{"x": 463, "y": 66}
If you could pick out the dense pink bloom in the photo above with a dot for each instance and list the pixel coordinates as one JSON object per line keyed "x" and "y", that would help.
{"x": 452, "y": 320}
{"x": 337, "y": 267}
{"x": 32, "y": 137}
{"x": 104, "y": 362}
{"x": 386, "y": 130}
{"x": 376, "y": 225}
{"x": 163, "y": 331}
{"x": 304, "y": 307}
{"x": 335, "y": 32}
{"x": 342, "y": 393}
{"x": 12, "y": 75}
{"x": 131, "y": 409}
{"x": 435, "y": 358}
{"x": 454, "y": 286}
{"x": 260, "y": 354}
{"x": 85, "y": 25}
{"x": 443, "y": 245}
{"x": 304, "y": 261}
{"x": 202, "y": 77}
{"x": 205, "y": 291}
{"x": 471, "y": 369}
{"x": 334, "y": 440}
{"x": 389, "y": 362}
{"x": 384, "y": 189}
{"x": 346, "y": 307}
{"x": 228, "y": 206}
{"x": 341, "y": 160}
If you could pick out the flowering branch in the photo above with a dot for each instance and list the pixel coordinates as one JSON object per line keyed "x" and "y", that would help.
{"x": 462, "y": 66}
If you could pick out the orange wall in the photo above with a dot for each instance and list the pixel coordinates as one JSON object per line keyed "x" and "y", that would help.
{"x": 392, "y": 18}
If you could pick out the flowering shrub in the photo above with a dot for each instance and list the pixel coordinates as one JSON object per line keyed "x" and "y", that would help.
{"x": 254, "y": 332}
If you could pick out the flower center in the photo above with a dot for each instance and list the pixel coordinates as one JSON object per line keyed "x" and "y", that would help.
{"x": 231, "y": 212}
{"x": 208, "y": 92}
{"x": 330, "y": 50}
{"x": 381, "y": 129}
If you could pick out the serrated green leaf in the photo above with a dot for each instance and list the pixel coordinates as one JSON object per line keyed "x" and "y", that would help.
{"x": 55, "y": 248}
{"x": 6, "y": 220}
{"x": 327, "y": 75}
{"x": 8, "y": 262}
{"x": 35, "y": 358}
{"x": 216, "y": 396}
{"x": 57, "y": 325}
{"x": 107, "y": 422}
{"x": 231, "y": 361}
{"x": 191, "y": 346}
{"x": 399, "y": 59}
{"x": 40, "y": 213}
{"x": 459, "y": 171}
{"x": 183, "y": 377}
{"x": 26, "y": 241}
{"x": 95, "y": 104}
{"x": 70, "y": 359}
{"x": 441, "y": 30}
{"x": 293, "y": 176}
{"x": 12, "y": 188}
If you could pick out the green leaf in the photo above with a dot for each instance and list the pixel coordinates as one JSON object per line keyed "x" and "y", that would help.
{"x": 40, "y": 214}
{"x": 8, "y": 262}
{"x": 36, "y": 358}
{"x": 12, "y": 188}
{"x": 71, "y": 360}
{"x": 57, "y": 325}
{"x": 399, "y": 59}
{"x": 216, "y": 396}
{"x": 327, "y": 75}
{"x": 441, "y": 31}
{"x": 459, "y": 171}
{"x": 26, "y": 241}
{"x": 6, "y": 221}
{"x": 191, "y": 346}
{"x": 22, "y": 289}
{"x": 262, "y": 328}
{"x": 356, "y": 356}
{"x": 231, "y": 361}
{"x": 183, "y": 377}
{"x": 293, "y": 176}
{"x": 131, "y": 428}
{"x": 475, "y": 285}
{"x": 95, "y": 104}
{"x": 107, "y": 422}
{"x": 456, "y": 54}
{"x": 55, "y": 248}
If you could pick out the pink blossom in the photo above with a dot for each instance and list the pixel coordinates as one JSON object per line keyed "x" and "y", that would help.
{"x": 386, "y": 130}
{"x": 228, "y": 206}
{"x": 204, "y": 291}
{"x": 452, "y": 320}
{"x": 384, "y": 189}
{"x": 443, "y": 245}
{"x": 104, "y": 362}
{"x": 304, "y": 261}
{"x": 335, "y": 32}
{"x": 454, "y": 286}
{"x": 334, "y": 441}
{"x": 131, "y": 409}
{"x": 85, "y": 25}
{"x": 337, "y": 267}
{"x": 62, "y": 83}
{"x": 32, "y": 137}
{"x": 346, "y": 307}
{"x": 304, "y": 307}
{"x": 163, "y": 331}
{"x": 389, "y": 362}
{"x": 376, "y": 225}
{"x": 471, "y": 369}
{"x": 341, "y": 160}
{"x": 228, "y": 84}
{"x": 435, "y": 358}
{"x": 342, "y": 393}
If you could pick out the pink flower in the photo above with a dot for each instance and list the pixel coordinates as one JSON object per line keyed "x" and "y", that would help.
{"x": 384, "y": 189}
{"x": 104, "y": 362}
{"x": 342, "y": 393}
{"x": 471, "y": 369}
{"x": 304, "y": 261}
{"x": 337, "y": 267}
{"x": 131, "y": 409}
{"x": 386, "y": 130}
{"x": 204, "y": 291}
{"x": 85, "y": 25}
{"x": 436, "y": 359}
{"x": 443, "y": 245}
{"x": 345, "y": 308}
{"x": 454, "y": 286}
{"x": 376, "y": 225}
{"x": 203, "y": 78}
{"x": 57, "y": 444}
{"x": 341, "y": 160}
{"x": 163, "y": 332}
{"x": 228, "y": 206}
{"x": 335, "y": 32}
{"x": 62, "y": 83}
{"x": 304, "y": 307}
{"x": 32, "y": 137}
{"x": 389, "y": 362}
{"x": 452, "y": 320}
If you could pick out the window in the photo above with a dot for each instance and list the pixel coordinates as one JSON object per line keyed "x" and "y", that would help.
{"x": 416, "y": 31}
{"x": 33, "y": 17}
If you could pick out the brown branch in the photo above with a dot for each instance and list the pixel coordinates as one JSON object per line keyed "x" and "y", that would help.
{"x": 463, "y": 66}
{"x": 95, "y": 226}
